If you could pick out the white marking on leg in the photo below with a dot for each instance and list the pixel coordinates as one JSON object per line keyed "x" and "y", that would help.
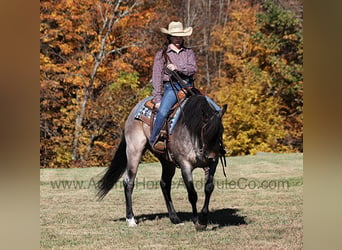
{"x": 131, "y": 222}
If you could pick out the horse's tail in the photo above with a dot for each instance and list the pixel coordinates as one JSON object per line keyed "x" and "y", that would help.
{"x": 114, "y": 172}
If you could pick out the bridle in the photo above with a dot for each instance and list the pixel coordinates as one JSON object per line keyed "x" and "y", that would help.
{"x": 222, "y": 151}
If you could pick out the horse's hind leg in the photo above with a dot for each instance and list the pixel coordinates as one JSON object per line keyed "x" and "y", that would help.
{"x": 165, "y": 184}
{"x": 129, "y": 185}
{"x": 135, "y": 147}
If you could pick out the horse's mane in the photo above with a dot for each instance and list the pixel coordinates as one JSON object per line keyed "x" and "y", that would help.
{"x": 197, "y": 113}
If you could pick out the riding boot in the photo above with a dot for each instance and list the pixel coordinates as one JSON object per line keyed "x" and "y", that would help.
{"x": 158, "y": 124}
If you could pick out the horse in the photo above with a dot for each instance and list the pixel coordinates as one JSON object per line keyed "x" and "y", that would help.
{"x": 196, "y": 143}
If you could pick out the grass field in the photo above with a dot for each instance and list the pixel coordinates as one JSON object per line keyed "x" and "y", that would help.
{"x": 258, "y": 206}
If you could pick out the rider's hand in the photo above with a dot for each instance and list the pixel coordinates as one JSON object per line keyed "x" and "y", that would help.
{"x": 157, "y": 105}
{"x": 171, "y": 67}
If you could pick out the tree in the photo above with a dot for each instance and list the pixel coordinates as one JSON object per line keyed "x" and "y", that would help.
{"x": 253, "y": 122}
{"x": 87, "y": 48}
{"x": 111, "y": 16}
{"x": 280, "y": 52}
{"x": 202, "y": 16}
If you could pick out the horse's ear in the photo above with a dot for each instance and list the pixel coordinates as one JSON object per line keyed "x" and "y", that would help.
{"x": 223, "y": 110}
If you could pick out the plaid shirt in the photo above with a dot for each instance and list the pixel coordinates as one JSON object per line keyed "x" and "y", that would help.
{"x": 185, "y": 62}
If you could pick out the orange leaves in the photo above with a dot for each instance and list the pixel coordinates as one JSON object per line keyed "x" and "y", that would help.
{"x": 65, "y": 48}
{"x": 103, "y": 145}
{"x": 89, "y": 73}
{"x": 234, "y": 40}
{"x": 69, "y": 3}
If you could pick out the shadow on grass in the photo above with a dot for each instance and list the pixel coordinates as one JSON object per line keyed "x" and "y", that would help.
{"x": 218, "y": 218}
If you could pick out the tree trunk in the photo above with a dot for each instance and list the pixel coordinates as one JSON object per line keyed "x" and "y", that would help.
{"x": 115, "y": 17}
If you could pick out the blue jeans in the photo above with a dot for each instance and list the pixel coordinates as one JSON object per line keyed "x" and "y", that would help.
{"x": 168, "y": 100}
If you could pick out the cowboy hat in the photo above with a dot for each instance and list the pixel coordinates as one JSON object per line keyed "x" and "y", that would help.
{"x": 176, "y": 29}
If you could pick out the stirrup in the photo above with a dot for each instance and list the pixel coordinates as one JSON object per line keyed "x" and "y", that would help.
{"x": 159, "y": 146}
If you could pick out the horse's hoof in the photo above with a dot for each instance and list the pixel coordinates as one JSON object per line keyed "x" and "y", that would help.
{"x": 200, "y": 227}
{"x": 131, "y": 222}
{"x": 175, "y": 220}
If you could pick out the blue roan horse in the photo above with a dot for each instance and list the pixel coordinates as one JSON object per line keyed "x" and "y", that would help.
{"x": 196, "y": 143}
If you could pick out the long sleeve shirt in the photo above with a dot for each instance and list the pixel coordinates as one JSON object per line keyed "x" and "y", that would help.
{"x": 184, "y": 60}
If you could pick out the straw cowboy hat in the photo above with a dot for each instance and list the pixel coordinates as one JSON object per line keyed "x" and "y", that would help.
{"x": 176, "y": 29}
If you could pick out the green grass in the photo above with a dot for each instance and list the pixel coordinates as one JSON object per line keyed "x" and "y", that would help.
{"x": 258, "y": 206}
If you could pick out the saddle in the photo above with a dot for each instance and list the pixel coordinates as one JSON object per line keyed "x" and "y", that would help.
{"x": 147, "y": 112}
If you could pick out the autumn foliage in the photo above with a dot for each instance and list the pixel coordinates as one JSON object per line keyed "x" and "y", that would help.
{"x": 261, "y": 78}
{"x": 96, "y": 59}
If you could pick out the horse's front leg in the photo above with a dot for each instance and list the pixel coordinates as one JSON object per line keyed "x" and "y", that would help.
{"x": 208, "y": 190}
{"x": 165, "y": 184}
{"x": 192, "y": 194}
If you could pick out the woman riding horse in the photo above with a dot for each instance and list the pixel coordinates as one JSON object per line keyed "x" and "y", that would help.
{"x": 196, "y": 139}
{"x": 173, "y": 57}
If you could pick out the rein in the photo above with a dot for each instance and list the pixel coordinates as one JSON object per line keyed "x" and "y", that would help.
{"x": 181, "y": 82}
{"x": 176, "y": 75}
{"x": 222, "y": 155}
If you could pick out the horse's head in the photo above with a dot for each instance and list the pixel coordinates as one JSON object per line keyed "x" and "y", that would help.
{"x": 205, "y": 126}
{"x": 212, "y": 131}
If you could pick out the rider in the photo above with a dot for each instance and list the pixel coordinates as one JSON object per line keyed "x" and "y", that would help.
{"x": 173, "y": 57}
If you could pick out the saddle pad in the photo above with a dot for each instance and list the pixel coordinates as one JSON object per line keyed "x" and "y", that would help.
{"x": 144, "y": 113}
